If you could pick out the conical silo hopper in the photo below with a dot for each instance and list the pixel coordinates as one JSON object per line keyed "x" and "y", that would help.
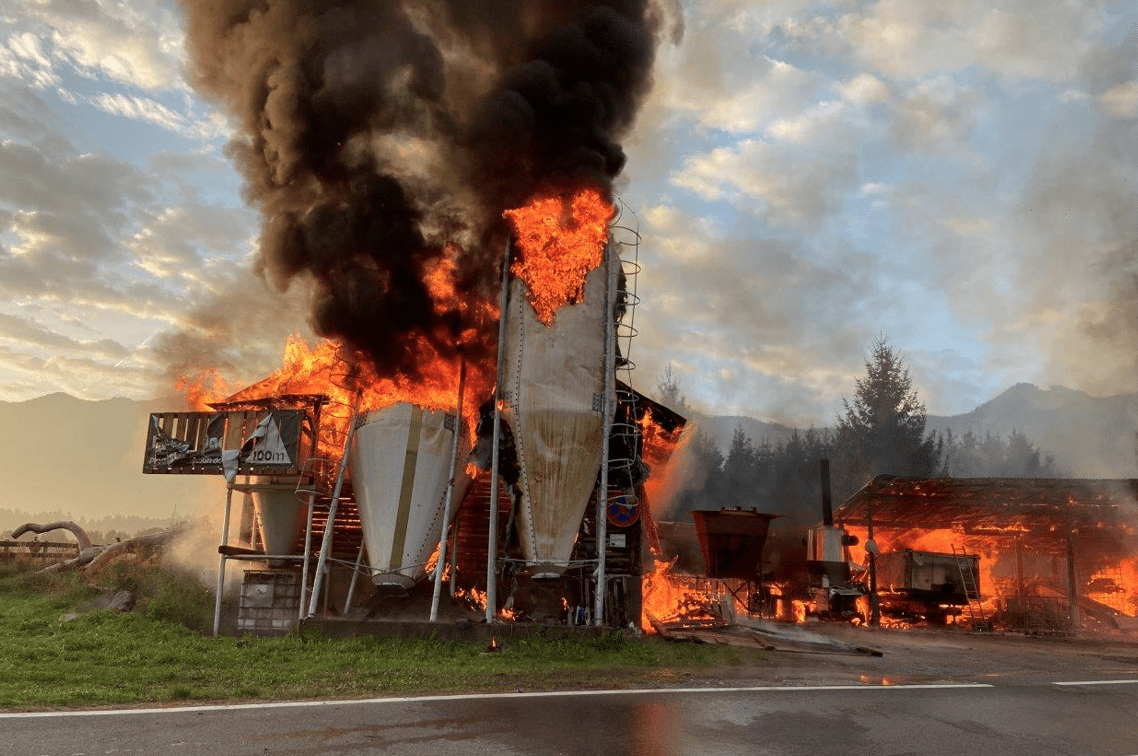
{"x": 282, "y": 518}
{"x": 400, "y": 467}
{"x": 554, "y": 376}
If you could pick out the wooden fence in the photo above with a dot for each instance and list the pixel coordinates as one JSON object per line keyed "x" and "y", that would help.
{"x": 46, "y": 551}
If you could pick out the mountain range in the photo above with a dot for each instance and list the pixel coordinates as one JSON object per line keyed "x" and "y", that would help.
{"x": 83, "y": 457}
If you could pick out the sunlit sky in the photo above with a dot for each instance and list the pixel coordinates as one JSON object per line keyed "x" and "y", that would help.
{"x": 959, "y": 176}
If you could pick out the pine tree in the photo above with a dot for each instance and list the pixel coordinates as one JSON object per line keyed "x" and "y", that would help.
{"x": 739, "y": 472}
{"x": 882, "y": 430}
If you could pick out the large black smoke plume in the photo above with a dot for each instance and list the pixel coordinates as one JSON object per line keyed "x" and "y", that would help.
{"x": 380, "y": 138}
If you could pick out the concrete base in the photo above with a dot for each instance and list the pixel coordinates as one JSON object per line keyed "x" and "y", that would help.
{"x": 460, "y": 630}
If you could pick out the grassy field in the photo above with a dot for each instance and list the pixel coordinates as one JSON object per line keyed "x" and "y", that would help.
{"x": 57, "y": 650}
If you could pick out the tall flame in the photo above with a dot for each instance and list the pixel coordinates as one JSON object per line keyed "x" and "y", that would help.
{"x": 561, "y": 240}
{"x": 330, "y": 370}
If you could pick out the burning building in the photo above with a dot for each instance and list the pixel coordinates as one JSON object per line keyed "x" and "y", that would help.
{"x": 395, "y": 149}
{"x": 349, "y": 475}
{"x": 1047, "y": 555}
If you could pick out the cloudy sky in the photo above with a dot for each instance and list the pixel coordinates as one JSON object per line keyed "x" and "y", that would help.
{"x": 959, "y": 176}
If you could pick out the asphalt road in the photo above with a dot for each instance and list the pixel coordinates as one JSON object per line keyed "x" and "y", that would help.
{"x": 1011, "y": 717}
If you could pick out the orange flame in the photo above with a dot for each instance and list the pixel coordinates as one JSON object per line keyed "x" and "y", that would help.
{"x": 658, "y": 451}
{"x": 332, "y": 371}
{"x": 561, "y": 240}
{"x": 665, "y": 597}
{"x": 441, "y": 276}
{"x": 201, "y": 389}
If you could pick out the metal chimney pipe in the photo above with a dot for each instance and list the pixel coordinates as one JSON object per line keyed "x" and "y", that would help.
{"x": 827, "y": 501}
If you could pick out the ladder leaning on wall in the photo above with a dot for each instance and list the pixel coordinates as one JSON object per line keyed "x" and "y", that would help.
{"x": 968, "y": 580}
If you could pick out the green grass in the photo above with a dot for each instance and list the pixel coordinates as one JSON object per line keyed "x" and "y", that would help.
{"x": 159, "y": 653}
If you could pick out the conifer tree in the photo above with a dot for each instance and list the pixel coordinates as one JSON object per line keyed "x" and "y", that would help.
{"x": 882, "y": 430}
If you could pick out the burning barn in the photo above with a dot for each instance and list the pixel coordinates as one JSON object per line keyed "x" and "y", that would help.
{"x": 1034, "y": 554}
{"x": 393, "y": 154}
{"x": 534, "y": 510}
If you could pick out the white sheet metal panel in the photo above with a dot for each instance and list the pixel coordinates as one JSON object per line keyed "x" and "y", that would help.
{"x": 399, "y": 466}
{"x": 282, "y": 518}
{"x": 552, "y": 376}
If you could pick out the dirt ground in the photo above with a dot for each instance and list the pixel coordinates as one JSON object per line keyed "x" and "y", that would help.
{"x": 841, "y": 654}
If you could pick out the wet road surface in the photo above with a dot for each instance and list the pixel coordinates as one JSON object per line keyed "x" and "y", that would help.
{"x": 1012, "y": 716}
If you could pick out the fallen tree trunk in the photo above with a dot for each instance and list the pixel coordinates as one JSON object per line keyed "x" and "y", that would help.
{"x": 93, "y": 557}
{"x": 76, "y": 530}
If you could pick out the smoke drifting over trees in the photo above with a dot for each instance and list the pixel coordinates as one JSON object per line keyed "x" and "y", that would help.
{"x": 882, "y": 432}
{"x": 382, "y": 140}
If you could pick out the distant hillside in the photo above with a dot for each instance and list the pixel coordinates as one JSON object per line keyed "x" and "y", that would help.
{"x": 721, "y": 428}
{"x": 85, "y": 458}
{"x": 1088, "y": 436}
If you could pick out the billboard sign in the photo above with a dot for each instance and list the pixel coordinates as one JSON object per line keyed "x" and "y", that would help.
{"x": 259, "y": 442}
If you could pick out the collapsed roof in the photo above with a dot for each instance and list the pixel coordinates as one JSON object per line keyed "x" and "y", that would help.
{"x": 993, "y": 506}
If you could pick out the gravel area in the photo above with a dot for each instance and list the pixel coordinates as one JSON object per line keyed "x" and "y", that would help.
{"x": 828, "y": 653}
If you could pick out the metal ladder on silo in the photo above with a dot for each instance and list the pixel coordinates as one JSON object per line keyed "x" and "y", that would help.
{"x": 618, "y": 370}
{"x": 971, "y": 589}
{"x": 625, "y": 328}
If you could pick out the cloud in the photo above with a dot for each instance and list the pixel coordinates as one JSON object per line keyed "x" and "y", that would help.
{"x": 936, "y": 113}
{"x": 766, "y": 326}
{"x": 864, "y": 89}
{"x": 1121, "y": 100}
{"x": 97, "y": 253}
{"x": 796, "y": 176}
{"x": 1008, "y": 39}
{"x": 132, "y": 42}
{"x": 140, "y": 109}
{"x": 807, "y": 174}
{"x": 22, "y": 57}
{"x": 27, "y": 332}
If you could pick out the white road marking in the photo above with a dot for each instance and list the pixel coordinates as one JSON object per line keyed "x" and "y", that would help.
{"x": 481, "y": 696}
{"x": 1098, "y": 682}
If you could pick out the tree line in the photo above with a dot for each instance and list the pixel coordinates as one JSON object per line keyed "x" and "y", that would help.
{"x": 881, "y": 430}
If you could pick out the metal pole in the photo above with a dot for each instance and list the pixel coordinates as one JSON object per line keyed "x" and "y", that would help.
{"x": 442, "y": 560}
{"x": 871, "y": 549}
{"x": 307, "y": 549}
{"x": 221, "y": 563}
{"x": 1072, "y": 582}
{"x": 492, "y": 539}
{"x": 453, "y": 560}
{"x": 608, "y": 410}
{"x": 355, "y": 579}
{"x": 326, "y": 542}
